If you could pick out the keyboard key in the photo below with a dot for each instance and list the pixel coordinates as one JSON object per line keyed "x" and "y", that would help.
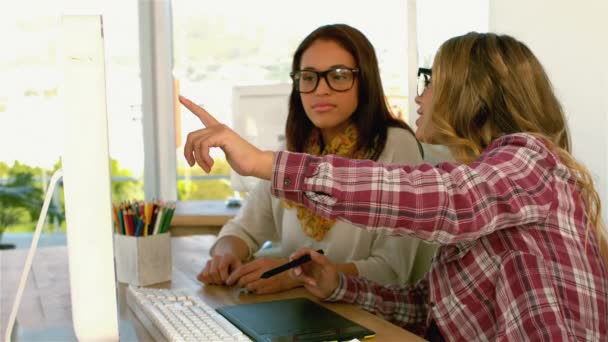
{"x": 180, "y": 316}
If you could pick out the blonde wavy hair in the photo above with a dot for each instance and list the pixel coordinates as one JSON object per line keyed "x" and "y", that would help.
{"x": 486, "y": 85}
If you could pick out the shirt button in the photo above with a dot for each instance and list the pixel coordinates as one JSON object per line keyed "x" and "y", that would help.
{"x": 287, "y": 181}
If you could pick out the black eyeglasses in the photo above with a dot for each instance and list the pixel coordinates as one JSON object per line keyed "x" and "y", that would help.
{"x": 424, "y": 79}
{"x": 338, "y": 79}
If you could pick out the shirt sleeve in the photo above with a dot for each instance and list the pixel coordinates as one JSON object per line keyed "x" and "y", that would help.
{"x": 254, "y": 223}
{"x": 403, "y": 305}
{"x": 391, "y": 259}
{"x": 447, "y": 204}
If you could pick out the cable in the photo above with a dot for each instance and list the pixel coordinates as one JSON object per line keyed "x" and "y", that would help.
{"x": 30, "y": 256}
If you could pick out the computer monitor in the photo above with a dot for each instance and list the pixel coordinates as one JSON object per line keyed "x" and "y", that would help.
{"x": 86, "y": 179}
{"x": 259, "y": 114}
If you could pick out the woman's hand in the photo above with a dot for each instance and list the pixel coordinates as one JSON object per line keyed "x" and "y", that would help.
{"x": 319, "y": 276}
{"x": 244, "y": 158}
{"x": 218, "y": 268}
{"x": 248, "y": 276}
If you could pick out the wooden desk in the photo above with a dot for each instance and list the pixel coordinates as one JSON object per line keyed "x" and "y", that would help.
{"x": 46, "y": 300}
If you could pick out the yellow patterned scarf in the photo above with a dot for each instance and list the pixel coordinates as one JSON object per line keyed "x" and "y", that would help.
{"x": 342, "y": 145}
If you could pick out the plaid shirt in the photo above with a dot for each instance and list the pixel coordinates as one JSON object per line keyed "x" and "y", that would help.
{"x": 516, "y": 263}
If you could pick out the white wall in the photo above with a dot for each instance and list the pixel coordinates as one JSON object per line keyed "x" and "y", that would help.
{"x": 571, "y": 40}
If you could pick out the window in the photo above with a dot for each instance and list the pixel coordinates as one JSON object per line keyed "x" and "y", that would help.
{"x": 31, "y": 106}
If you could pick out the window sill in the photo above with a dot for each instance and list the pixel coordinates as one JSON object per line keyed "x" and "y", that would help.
{"x": 200, "y": 217}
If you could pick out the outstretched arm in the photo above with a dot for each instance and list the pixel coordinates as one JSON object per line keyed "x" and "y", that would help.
{"x": 509, "y": 186}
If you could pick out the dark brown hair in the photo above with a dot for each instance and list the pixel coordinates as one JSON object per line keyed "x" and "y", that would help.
{"x": 372, "y": 116}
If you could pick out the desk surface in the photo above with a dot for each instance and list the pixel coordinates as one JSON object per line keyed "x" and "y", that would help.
{"x": 46, "y": 300}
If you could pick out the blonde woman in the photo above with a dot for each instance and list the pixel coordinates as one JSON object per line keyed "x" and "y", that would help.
{"x": 523, "y": 251}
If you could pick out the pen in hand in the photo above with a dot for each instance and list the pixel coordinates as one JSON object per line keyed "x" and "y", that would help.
{"x": 295, "y": 262}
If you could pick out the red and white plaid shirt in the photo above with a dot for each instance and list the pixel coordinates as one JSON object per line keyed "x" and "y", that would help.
{"x": 516, "y": 263}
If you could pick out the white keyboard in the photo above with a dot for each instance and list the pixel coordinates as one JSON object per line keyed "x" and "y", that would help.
{"x": 181, "y": 316}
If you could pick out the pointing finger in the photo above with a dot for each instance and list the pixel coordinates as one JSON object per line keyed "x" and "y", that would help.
{"x": 197, "y": 110}
{"x": 189, "y": 149}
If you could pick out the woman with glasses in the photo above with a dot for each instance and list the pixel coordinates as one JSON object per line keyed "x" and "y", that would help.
{"x": 423, "y": 100}
{"x": 523, "y": 251}
{"x": 433, "y": 153}
{"x": 337, "y": 107}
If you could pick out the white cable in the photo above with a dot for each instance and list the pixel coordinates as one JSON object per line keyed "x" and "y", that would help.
{"x": 30, "y": 256}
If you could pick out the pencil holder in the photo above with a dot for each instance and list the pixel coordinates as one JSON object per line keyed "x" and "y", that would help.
{"x": 143, "y": 260}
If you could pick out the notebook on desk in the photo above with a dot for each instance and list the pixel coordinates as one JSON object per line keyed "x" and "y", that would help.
{"x": 297, "y": 319}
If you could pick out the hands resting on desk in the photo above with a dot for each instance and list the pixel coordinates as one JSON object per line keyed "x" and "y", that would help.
{"x": 319, "y": 277}
{"x": 218, "y": 272}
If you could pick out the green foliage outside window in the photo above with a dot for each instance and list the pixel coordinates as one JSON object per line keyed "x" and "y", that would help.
{"x": 22, "y": 195}
{"x": 124, "y": 190}
{"x": 207, "y": 189}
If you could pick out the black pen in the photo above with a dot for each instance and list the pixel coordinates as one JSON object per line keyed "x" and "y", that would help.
{"x": 293, "y": 263}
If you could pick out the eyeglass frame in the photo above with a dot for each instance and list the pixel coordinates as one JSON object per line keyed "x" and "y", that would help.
{"x": 323, "y": 74}
{"x": 427, "y": 74}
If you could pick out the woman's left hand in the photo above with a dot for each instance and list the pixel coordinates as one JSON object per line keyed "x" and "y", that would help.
{"x": 319, "y": 276}
{"x": 248, "y": 276}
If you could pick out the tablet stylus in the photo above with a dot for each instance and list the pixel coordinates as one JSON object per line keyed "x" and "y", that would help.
{"x": 295, "y": 262}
